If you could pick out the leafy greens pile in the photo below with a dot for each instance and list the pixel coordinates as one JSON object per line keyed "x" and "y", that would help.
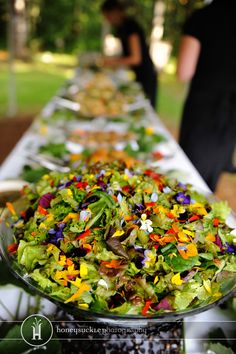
{"x": 125, "y": 241}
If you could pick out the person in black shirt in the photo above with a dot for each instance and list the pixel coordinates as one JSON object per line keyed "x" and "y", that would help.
{"x": 207, "y": 57}
{"x": 135, "y": 50}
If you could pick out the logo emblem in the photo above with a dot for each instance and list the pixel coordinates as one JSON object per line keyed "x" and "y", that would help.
{"x": 36, "y": 330}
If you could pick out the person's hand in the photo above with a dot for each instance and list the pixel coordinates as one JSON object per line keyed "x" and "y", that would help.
{"x": 110, "y": 62}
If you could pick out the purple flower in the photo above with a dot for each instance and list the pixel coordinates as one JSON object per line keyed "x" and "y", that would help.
{"x": 139, "y": 207}
{"x": 181, "y": 198}
{"x": 163, "y": 305}
{"x": 230, "y": 248}
{"x": 69, "y": 183}
{"x": 45, "y": 200}
{"x": 218, "y": 242}
{"x": 56, "y": 234}
{"x": 100, "y": 174}
{"x": 77, "y": 178}
{"x": 182, "y": 185}
{"x": 101, "y": 184}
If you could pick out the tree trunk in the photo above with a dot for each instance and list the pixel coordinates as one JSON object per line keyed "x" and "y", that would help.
{"x": 12, "y": 102}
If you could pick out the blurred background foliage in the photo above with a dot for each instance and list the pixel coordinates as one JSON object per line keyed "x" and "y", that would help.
{"x": 49, "y": 36}
{"x": 72, "y": 26}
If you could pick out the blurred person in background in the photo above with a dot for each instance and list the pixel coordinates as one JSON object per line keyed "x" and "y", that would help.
{"x": 207, "y": 57}
{"x": 135, "y": 50}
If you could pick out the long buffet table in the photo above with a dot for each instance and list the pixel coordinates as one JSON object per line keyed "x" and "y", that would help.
{"x": 171, "y": 160}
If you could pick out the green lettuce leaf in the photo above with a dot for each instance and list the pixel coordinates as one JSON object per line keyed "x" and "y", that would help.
{"x": 29, "y": 255}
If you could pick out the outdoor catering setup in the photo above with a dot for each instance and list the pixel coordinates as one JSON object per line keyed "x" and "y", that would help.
{"x": 106, "y": 221}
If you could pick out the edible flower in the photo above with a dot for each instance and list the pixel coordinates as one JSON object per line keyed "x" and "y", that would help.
{"x": 181, "y": 198}
{"x": 83, "y": 234}
{"x": 149, "y": 258}
{"x": 45, "y": 200}
{"x": 156, "y": 279}
{"x": 176, "y": 280}
{"x": 11, "y": 208}
{"x": 149, "y": 130}
{"x": 83, "y": 270}
{"x": 115, "y": 263}
{"x": 12, "y": 248}
{"x": 177, "y": 209}
{"x": 164, "y": 305}
{"x": 76, "y": 282}
{"x": 56, "y": 234}
{"x": 154, "y": 197}
{"x": 166, "y": 190}
{"x": 70, "y": 216}
{"x": 103, "y": 283}
{"x": 207, "y": 285}
{"x": 215, "y": 222}
{"x": 230, "y": 248}
{"x": 218, "y": 242}
{"x": 118, "y": 233}
{"x": 210, "y": 237}
{"x": 85, "y": 215}
{"x": 187, "y": 251}
{"x": 198, "y": 208}
{"x": 146, "y": 307}
{"x": 83, "y": 287}
{"x": 145, "y": 223}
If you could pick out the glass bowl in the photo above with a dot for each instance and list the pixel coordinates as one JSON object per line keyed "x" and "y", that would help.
{"x": 228, "y": 287}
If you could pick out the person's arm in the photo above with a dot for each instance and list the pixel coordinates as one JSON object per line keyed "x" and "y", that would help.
{"x": 135, "y": 56}
{"x": 188, "y": 57}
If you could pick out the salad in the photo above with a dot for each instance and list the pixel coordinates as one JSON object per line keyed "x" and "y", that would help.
{"x": 108, "y": 238}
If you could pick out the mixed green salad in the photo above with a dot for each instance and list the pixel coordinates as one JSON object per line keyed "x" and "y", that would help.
{"x": 126, "y": 241}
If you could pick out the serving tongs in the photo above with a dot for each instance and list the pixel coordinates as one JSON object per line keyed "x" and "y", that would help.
{"x": 49, "y": 162}
{"x": 65, "y": 103}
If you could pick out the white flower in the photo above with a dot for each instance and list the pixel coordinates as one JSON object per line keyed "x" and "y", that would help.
{"x": 166, "y": 189}
{"x": 145, "y": 223}
{"x": 119, "y": 198}
{"x": 103, "y": 283}
{"x": 85, "y": 215}
{"x": 154, "y": 197}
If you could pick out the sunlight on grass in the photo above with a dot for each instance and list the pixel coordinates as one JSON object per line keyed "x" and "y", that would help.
{"x": 36, "y": 82}
{"x": 56, "y": 59}
{"x": 171, "y": 95}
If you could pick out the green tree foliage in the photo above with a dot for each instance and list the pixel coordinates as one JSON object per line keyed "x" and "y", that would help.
{"x": 76, "y": 25}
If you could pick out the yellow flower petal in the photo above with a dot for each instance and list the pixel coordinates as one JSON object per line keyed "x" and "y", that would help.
{"x": 207, "y": 286}
{"x": 182, "y": 237}
{"x": 210, "y": 237}
{"x": 84, "y": 306}
{"x": 76, "y": 282}
{"x": 84, "y": 287}
{"x": 187, "y": 232}
{"x": 149, "y": 130}
{"x": 156, "y": 279}
{"x": 69, "y": 192}
{"x": 62, "y": 260}
{"x": 118, "y": 233}
{"x": 71, "y": 216}
{"x": 83, "y": 270}
{"x": 176, "y": 280}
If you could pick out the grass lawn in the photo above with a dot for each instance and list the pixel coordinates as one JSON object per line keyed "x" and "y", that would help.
{"x": 171, "y": 95}
{"x": 36, "y": 83}
{"x": 39, "y": 80}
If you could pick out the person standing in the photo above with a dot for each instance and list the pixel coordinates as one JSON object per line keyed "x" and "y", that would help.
{"x": 135, "y": 50}
{"x": 207, "y": 58}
